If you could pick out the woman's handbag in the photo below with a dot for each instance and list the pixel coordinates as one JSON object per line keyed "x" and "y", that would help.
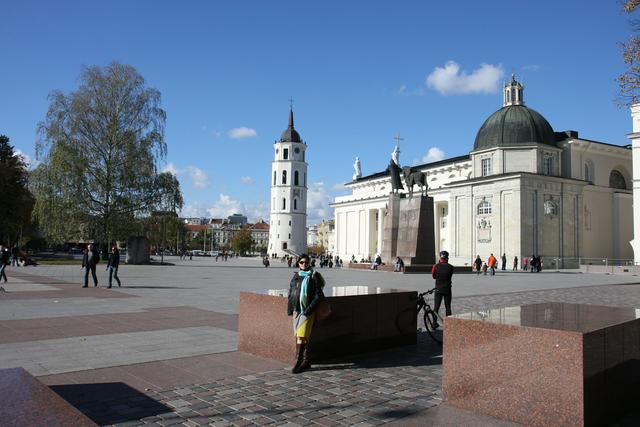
{"x": 323, "y": 310}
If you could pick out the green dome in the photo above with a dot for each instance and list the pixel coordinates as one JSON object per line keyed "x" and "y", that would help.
{"x": 514, "y": 125}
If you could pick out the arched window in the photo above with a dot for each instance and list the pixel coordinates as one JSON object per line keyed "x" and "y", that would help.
{"x": 616, "y": 180}
{"x": 484, "y": 208}
{"x": 284, "y": 177}
{"x": 295, "y": 178}
{"x": 274, "y": 177}
{"x": 284, "y": 203}
{"x": 587, "y": 173}
{"x": 295, "y": 205}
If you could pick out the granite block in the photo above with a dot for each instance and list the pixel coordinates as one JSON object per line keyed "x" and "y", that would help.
{"x": 363, "y": 319}
{"x": 543, "y": 364}
{"x": 28, "y": 402}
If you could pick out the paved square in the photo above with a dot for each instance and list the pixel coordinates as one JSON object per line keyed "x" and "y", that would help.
{"x": 161, "y": 350}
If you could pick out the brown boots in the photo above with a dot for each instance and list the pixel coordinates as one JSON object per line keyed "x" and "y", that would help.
{"x": 302, "y": 359}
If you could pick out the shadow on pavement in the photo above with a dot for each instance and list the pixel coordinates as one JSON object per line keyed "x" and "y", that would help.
{"x": 110, "y": 403}
{"x": 426, "y": 352}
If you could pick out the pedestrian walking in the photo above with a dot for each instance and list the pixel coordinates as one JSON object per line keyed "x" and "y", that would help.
{"x": 504, "y": 262}
{"x": 15, "y": 256}
{"x": 515, "y": 263}
{"x": 492, "y": 262}
{"x": 89, "y": 261}
{"x": 305, "y": 293}
{"x": 113, "y": 264}
{"x": 478, "y": 264}
{"x": 442, "y": 273}
{"x": 4, "y": 260}
{"x": 525, "y": 267}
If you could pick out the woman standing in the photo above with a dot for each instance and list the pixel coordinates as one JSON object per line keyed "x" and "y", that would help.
{"x": 305, "y": 293}
{"x": 114, "y": 263}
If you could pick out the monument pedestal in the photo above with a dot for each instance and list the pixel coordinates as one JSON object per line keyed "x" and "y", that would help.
{"x": 552, "y": 364}
{"x": 408, "y": 230}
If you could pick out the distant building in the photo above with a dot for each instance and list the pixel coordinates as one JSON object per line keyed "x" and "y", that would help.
{"x": 259, "y": 236}
{"x": 312, "y": 235}
{"x": 237, "y": 219}
{"x": 326, "y": 235}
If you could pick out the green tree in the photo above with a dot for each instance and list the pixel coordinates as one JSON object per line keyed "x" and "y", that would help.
{"x": 629, "y": 81}
{"x": 17, "y": 201}
{"x": 99, "y": 147}
{"x": 241, "y": 241}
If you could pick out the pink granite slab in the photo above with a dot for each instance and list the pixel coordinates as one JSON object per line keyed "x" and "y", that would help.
{"x": 363, "y": 319}
{"x": 28, "y": 402}
{"x": 543, "y": 364}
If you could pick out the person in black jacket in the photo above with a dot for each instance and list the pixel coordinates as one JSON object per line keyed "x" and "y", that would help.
{"x": 305, "y": 293}
{"x": 112, "y": 265}
{"x": 442, "y": 272}
{"x": 4, "y": 261}
{"x": 90, "y": 259}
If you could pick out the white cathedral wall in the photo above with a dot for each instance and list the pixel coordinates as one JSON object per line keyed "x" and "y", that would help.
{"x": 607, "y": 224}
{"x": 552, "y": 235}
{"x": 519, "y": 160}
{"x": 482, "y": 234}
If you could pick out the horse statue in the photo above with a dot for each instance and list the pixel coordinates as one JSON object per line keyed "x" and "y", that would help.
{"x": 415, "y": 177}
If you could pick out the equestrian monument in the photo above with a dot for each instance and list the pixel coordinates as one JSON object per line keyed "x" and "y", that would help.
{"x": 408, "y": 228}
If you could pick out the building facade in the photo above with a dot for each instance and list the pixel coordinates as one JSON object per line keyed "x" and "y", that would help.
{"x": 523, "y": 190}
{"x": 288, "y": 220}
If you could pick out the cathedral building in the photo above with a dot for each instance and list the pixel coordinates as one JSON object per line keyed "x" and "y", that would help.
{"x": 288, "y": 223}
{"x": 523, "y": 190}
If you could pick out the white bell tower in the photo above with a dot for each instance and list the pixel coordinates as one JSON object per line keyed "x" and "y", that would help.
{"x": 288, "y": 224}
{"x": 634, "y": 136}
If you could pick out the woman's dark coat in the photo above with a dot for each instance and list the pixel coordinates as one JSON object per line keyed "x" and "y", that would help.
{"x": 314, "y": 293}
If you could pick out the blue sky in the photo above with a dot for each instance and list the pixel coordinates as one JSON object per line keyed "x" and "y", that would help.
{"x": 359, "y": 73}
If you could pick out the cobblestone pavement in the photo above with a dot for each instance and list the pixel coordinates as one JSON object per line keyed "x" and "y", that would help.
{"x": 369, "y": 390}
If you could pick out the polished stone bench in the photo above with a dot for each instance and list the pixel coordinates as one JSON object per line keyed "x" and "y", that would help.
{"x": 363, "y": 319}
{"x": 28, "y": 402}
{"x": 552, "y": 364}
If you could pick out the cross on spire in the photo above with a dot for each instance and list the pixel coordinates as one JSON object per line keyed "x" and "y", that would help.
{"x": 398, "y": 139}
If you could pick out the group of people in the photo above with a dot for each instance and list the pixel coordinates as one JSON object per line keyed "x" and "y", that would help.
{"x": 91, "y": 259}
{"x": 533, "y": 264}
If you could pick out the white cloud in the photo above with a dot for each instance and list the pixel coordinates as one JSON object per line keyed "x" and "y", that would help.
{"x": 247, "y": 180}
{"x": 171, "y": 168}
{"x": 339, "y": 187}
{"x": 242, "y": 132}
{"x": 433, "y": 155}
{"x": 449, "y": 80}
{"x": 225, "y": 206}
{"x": 28, "y": 160}
{"x": 199, "y": 177}
{"x": 318, "y": 200}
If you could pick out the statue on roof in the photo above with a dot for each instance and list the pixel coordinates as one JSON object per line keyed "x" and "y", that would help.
{"x": 356, "y": 167}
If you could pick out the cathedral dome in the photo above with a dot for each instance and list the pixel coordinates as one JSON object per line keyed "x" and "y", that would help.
{"x": 514, "y": 123}
{"x": 290, "y": 134}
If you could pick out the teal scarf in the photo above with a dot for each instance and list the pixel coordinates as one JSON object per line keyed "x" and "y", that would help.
{"x": 304, "y": 288}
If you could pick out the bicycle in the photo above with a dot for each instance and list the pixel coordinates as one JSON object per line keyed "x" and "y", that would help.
{"x": 430, "y": 317}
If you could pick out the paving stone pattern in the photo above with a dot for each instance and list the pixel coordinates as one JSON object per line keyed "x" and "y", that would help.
{"x": 371, "y": 390}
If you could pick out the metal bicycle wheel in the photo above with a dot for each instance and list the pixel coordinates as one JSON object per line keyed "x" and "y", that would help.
{"x": 430, "y": 322}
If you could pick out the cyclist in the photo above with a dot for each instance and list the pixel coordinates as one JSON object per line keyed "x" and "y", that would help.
{"x": 442, "y": 272}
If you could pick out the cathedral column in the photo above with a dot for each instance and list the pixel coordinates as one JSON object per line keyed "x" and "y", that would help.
{"x": 379, "y": 222}
{"x": 635, "y": 141}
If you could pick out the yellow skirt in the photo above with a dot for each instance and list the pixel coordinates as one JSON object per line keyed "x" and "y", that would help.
{"x": 302, "y": 325}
